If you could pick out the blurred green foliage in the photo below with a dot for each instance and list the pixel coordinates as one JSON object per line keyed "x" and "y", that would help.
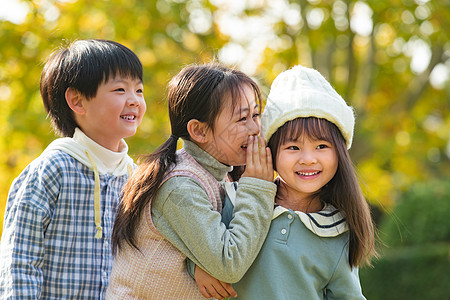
{"x": 421, "y": 217}
{"x": 403, "y": 122}
{"x": 156, "y": 30}
{"x": 414, "y": 274}
{"x": 416, "y": 253}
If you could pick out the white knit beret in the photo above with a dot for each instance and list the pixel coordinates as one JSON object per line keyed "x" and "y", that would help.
{"x": 304, "y": 92}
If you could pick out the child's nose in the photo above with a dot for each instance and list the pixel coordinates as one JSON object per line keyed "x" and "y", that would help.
{"x": 253, "y": 127}
{"x": 134, "y": 100}
{"x": 307, "y": 157}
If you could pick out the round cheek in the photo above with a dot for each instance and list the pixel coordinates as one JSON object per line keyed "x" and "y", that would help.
{"x": 335, "y": 164}
{"x": 143, "y": 107}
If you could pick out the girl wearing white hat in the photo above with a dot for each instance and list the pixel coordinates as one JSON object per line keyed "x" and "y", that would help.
{"x": 322, "y": 229}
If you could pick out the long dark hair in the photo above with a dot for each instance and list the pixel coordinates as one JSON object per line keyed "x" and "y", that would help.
{"x": 343, "y": 190}
{"x": 196, "y": 92}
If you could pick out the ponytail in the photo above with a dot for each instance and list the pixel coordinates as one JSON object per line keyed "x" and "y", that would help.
{"x": 141, "y": 187}
{"x": 196, "y": 92}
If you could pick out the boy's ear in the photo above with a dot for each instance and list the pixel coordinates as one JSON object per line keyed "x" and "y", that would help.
{"x": 198, "y": 131}
{"x": 75, "y": 100}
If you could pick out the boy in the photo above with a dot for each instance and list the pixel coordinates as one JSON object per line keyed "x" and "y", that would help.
{"x": 60, "y": 209}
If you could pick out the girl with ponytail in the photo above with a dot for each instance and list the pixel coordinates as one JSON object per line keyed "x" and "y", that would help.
{"x": 171, "y": 206}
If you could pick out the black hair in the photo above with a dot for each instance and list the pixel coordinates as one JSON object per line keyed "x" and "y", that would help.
{"x": 83, "y": 66}
{"x": 197, "y": 92}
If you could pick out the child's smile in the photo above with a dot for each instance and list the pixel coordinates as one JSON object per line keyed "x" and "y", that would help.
{"x": 114, "y": 113}
{"x": 128, "y": 117}
{"x": 308, "y": 174}
{"x": 305, "y": 166}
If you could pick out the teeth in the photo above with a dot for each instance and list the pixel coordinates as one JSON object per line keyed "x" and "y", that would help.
{"x": 128, "y": 117}
{"x": 308, "y": 174}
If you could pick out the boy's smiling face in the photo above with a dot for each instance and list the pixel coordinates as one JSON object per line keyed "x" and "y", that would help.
{"x": 114, "y": 113}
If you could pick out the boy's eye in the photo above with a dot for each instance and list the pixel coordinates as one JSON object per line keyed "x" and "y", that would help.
{"x": 120, "y": 90}
{"x": 293, "y": 148}
{"x": 140, "y": 91}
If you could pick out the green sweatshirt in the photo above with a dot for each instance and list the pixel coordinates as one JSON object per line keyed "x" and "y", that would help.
{"x": 183, "y": 214}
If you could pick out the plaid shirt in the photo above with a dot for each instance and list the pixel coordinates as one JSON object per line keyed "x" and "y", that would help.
{"x": 48, "y": 249}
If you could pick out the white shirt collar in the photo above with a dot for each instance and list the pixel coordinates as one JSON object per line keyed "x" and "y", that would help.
{"x": 328, "y": 222}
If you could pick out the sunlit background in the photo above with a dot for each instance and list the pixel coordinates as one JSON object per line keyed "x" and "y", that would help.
{"x": 389, "y": 59}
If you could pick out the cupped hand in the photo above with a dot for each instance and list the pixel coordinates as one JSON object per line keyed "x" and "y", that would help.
{"x": 259, "y": 159}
